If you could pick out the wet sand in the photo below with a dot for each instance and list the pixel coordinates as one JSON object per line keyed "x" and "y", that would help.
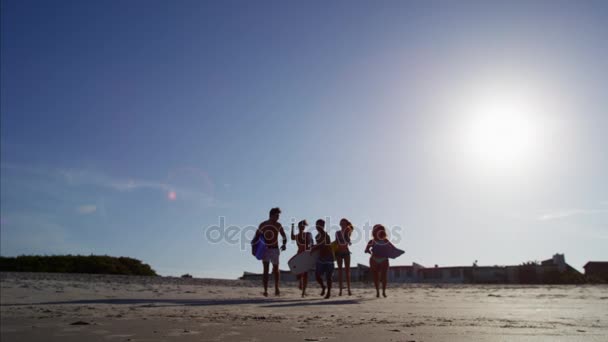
{"x": 64, "y": 307}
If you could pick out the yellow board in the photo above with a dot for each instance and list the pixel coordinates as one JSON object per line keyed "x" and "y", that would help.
{"x": 334, "y": 247}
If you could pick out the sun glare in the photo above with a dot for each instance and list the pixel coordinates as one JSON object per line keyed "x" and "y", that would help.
{"x": 501, "y": 129}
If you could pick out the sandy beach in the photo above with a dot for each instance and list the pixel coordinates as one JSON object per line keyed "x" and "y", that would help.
{"x": 64, "y": 307}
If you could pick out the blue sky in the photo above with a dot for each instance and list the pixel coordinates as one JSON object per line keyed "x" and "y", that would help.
{"x": 327, "y": 109}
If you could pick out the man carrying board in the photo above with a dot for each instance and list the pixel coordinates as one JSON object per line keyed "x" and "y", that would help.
{"x": 269, "y": 230}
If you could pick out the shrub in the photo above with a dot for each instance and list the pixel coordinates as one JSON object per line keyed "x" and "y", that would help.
{"x": 93, "y": 264}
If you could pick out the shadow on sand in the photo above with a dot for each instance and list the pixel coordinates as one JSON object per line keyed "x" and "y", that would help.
{"x": 263, "y": 302}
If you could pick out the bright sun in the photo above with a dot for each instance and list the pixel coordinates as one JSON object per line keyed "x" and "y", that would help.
{"x": 501, "y": 129}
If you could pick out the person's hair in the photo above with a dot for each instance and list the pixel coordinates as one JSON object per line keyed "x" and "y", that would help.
{"x": 320, "y": 222}
{"x": 379, "y": 232}
{"x": 302, "y": 224}
{"x": 347, "y": 223}
{"x": 274, "y": 211}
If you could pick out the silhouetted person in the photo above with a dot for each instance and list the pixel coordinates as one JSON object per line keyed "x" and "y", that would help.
{"x": 377, "y": 264}
{"x": 343, "y": 253}
{"x": 304, "y": 241}
{"x": 325, "y": 263}
{"x": 270, "y": 230}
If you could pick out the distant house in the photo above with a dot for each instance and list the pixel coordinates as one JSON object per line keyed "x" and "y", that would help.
{"x": 360, "y": 273}
{"x": 550, "y": 271}
{"x": 488, "y": 275}
{"x": 357, "y": 273}
{"x": 441, "y": 275}
{"x": 558, "y": 260}
{"x": 404, "y": 274}
{"x": 596, "y": 270}
{"x": 464, "y": 274}
{"x": 554, "y": 270}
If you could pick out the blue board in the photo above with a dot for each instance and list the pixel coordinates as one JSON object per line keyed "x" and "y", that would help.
{"x": 386, "y": 250}
{"x": 258, "y": 248}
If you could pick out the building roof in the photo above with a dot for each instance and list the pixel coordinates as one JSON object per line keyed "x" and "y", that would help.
{"x": 413, "y": 265}
{"x": 462, "y": 267}
{"x": 404, "y": 267}
{"x": 596, "y": 263}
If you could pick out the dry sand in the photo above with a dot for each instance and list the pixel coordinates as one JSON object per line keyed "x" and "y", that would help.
{"x": 63, "y": 307}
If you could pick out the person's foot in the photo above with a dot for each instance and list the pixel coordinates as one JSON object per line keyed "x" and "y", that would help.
{"x": 303, "y": 294}
{"x": 384, "y": 294}
{"x": 377, "y": 294}
{"x": 277, "y": 292}
{"x": 323, "y": 291}
{"x": 328, "y": 295}
{"x": 340, "y": 292}
{"x": 265, "y": 294}
{"x": 350, "y": 293}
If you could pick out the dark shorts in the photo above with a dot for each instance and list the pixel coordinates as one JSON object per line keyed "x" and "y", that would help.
{"x": 342, "y": 254}
{"x": 324, "y": 267}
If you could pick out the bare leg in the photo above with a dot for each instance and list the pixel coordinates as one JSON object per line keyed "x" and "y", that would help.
{"x": 320, "y": 281}
{"x": 328, "y": 285}
{"x": 376, "y": 275}
{"x": 265, "y": 278}
{"x": 384, "y": 273}
{"x": 304, "y": 283}
{"x": 275, "y": 273}
{"x": 347, "y": 266}
{"x": 339, "y": 259}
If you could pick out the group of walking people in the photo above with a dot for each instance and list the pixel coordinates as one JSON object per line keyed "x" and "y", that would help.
{"x": 329, "y": 253}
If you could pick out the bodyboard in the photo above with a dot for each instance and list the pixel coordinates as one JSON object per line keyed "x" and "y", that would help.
{"x": 303, "y": 262}
{"x": 258, "y": 248}
{"x": 386, "y": 250}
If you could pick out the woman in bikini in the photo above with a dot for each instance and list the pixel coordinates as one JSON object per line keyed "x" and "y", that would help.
{"x": 304, "y": 241}
{"x": 343, "y": 253}
{"x": 378, "y": 265}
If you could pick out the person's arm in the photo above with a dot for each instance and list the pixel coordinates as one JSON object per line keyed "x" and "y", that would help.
{"x": 258, "y": 233}
{"x": 282, "y": 231}
{"x": 293, "y": 236}
{"x": 369, "y": 245}
{"x": 308, "y": 240}
{"x": 347, "y": 237}
{"x": 315, "y": 246}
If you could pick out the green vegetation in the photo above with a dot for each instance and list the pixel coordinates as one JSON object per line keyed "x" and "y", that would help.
{"x": 93, "y": 264}
{"x": 553, "y": 276}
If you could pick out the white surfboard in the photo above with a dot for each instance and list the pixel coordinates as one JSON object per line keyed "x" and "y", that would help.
{"x": 303, "y": 262}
